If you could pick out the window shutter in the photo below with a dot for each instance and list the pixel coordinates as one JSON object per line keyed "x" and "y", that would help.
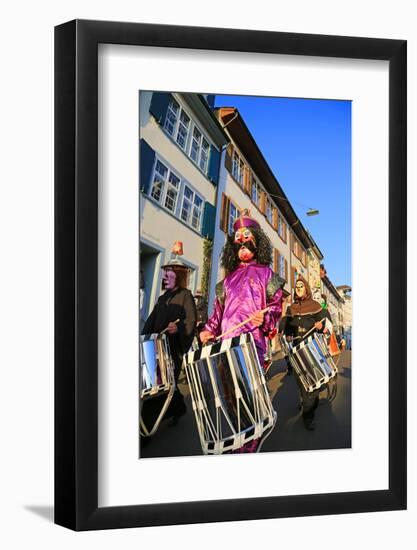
{"x": 146, "y": 158}
{"x": 159, "y": 106}
{"x": 262, "y": 204}
{"x": 214, "y": 165}
{"x": 224, "y": 218}
{"x": 209, "y": 218}
{"x": 229, "y": 157}
{"x": 275, "y": 218}
{"x": 276, "y": 260}
{"x": 285, "y": 230}
{"x": 247, "y": 180}
{"x": 286, "y": 271}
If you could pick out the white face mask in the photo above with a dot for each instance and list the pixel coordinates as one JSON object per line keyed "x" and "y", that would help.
{"x": 169, "y": 279}
{"x": 300, "y": 290}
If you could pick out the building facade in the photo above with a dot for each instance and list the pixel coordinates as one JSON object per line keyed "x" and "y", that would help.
{"x": 345, "y": 292}
{"x": 180, "y": 147}
{"x": 246, "y": 181}
{"x": 334, "y": 301}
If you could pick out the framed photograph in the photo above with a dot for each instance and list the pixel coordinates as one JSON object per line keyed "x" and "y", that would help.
{"x": 230, "y": 276}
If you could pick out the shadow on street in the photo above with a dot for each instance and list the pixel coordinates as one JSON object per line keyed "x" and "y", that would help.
{"x": 333, "y": 420}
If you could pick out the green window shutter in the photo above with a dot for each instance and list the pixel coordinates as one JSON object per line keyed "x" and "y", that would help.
{"x": 209, "y": 218}
{"x": 214, "y": 165}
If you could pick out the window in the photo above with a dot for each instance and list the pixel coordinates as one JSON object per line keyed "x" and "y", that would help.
{"x": 183, "y": 128}
{"x": 281, "y": 267}
{"x": 195, "y": 144}
{"x": 268, "y": 211}
{"x": 299, "y": 251}
{"x": 166, "y": 190}
{"x": 159, "y": 181}
{"x": 237, "y": 168}
{"x": 255, "y": 192}
{"x": 180, "y": 127}
{"x": 172, "y": 117}
{"x": 205, "y": 148}
{"x": 165, "y": 186}
{"x": 192, "y": 208}
{"x": 280, "y": 264}
{"x": 197, "y": 212}
{"x": 282, "y": 228}
{"x": 172, "y": 192}
{"x": 233, "y": 215}
{"x": 199, "y": 151}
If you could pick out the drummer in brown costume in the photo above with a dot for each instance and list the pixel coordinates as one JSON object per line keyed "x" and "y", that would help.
{"x": 301, "y": 316}
{"x": 174, "y": 313}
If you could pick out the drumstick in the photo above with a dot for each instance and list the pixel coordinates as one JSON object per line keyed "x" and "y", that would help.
{"x": 241, "y": 324}
{"x": 312, "y": 328}
{"x": 165, "y": 329}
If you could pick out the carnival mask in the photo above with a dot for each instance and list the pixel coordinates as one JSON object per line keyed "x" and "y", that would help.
{"x": 169, "y": 279}
{"x": 244, "y": 235}
{"x": 300, "y": 289}
{"x": 245, "y": 254}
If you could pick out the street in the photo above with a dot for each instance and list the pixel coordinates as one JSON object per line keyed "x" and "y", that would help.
{"x": 332, "y": 420}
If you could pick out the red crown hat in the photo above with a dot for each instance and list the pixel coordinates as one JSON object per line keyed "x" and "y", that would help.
{"x": 244, "y": 220}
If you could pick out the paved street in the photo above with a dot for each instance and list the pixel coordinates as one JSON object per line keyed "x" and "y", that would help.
{"x": 333, "y": 420}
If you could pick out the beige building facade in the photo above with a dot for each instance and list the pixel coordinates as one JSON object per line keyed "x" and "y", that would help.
{"x": 180, "y": 149}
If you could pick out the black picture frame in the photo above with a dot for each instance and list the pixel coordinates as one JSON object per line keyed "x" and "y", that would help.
{"x": 76, "y": 271}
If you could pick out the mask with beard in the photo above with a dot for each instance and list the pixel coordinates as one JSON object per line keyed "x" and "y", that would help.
{"x": 245, "y": 252}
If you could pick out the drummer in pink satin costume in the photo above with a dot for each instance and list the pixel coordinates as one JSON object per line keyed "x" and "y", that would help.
{"x": 249, "y": 287}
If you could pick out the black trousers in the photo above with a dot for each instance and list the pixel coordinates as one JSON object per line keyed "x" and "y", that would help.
{"x": 309, "y": 400}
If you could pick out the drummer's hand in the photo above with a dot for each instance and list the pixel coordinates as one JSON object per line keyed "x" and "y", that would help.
{"x": 325, "y": 330}
{"x": 172, "y": 328}
{"x": 318, "y": 325}
{"x": 258, "y": 318}
{"x": 206, "y": 336}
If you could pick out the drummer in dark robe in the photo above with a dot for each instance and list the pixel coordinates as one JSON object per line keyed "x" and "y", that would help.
{"x": 301, "y": 317}
{"x": 174, "y": 313}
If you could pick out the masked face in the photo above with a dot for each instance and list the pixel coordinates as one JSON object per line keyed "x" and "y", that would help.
{"x": 245, "y": 243}
{"x": 169, "y": 279}
{"x": 244, "y": 235}
{"x": 300, "y": 289}
{"x": 245, "y": 254}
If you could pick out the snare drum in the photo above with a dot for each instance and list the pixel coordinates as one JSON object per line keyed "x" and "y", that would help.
{"x": 312, "y": 362}
{"x": 229, "y": 394}
{"x": 156, "y": 379}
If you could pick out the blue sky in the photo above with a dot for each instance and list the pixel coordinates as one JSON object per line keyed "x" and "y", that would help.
{"x": 307, "y": 144}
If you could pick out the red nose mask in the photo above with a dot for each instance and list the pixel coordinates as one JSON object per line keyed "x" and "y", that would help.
{"x": 243, "y": 236}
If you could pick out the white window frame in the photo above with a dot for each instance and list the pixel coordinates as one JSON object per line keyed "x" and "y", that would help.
{"x": 176, "y": 115}
{"x": 164, "y": 182}
{"x": 189, "y": 221}
{"x": 268, "y": 210}
{"x": 237, "y": 168}
{"x": 281, "y": 266}
{"x": 231, "y": 220}
{"x": 169, "y": 186}
{"x": 177, "y": 211}
{"x": 282, "y": 229}
{"x": 166, "y": 186}
{"x": 255, "y": 185}
{"x": 181, "y": 124}
{"x": 199, "y": 162}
